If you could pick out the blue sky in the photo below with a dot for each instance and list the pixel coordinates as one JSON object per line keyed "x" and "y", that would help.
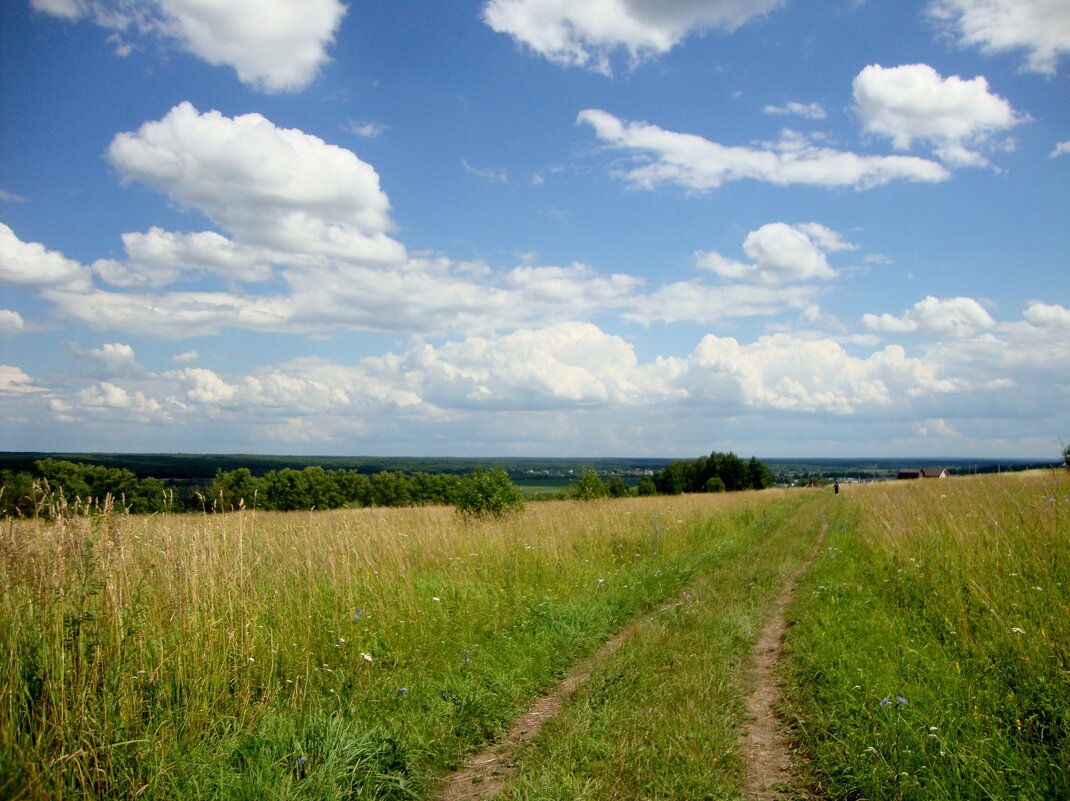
{"x": 536, "y": 227}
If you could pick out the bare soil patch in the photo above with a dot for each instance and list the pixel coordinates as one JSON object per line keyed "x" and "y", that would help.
{"x": 763, "y": 741}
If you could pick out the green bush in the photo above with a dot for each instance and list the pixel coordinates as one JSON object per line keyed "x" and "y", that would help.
{"x": 488, "y": 493}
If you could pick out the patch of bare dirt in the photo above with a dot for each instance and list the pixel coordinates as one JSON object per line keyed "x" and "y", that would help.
{"x": 763, "y": 742}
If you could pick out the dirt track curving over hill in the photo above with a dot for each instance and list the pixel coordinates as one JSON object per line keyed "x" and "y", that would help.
{"x": 762, "y": 742}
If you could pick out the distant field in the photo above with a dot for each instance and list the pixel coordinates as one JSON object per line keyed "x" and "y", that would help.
{"x": 364, "y": 654}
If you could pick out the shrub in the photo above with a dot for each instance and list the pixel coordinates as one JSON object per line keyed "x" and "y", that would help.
{"x": 488, "y": 493}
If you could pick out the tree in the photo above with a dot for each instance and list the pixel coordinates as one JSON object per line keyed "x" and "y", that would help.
{"x": 588, "y": 486}
{"x": 616, "y": 488}
{"x": 759, "y": 476}
{"x": 715, "y": 484}
{"x": 488, "y": 493}
{"x": 1066, "y": 457}
{"x": 235, "y": 489}
{"x": 647, "y": 487}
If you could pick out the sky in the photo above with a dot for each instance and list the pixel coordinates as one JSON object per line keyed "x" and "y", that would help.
{"x": 536, "y": 227}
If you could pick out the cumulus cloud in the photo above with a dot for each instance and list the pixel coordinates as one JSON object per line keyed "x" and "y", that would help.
{"x": 274, "y": 45}
{"x": 111, "y": 360}
{"x": 1039, "y": 27}
{"x": 586, "y": 34}
{"x": 698, "y": 164}
{"x": 277, "y": 188}
{"x": 11, "y": 323}
{"x": 31, "y": 265}
{"x": 158, "y": 258}
{"x": 953, "y": 317}
{"x": 1061, "y": 149}
{"x": 780, "y": 252}
{"x": 1048, "y": 315}
{"x": 14, "y": 381}
{"x": 810, "y": 111}
{"x": 787, "y": 373}
{"x": 913, "y": 102}
{"x": 108, "y": 397}
{"x": 561, "y": 370}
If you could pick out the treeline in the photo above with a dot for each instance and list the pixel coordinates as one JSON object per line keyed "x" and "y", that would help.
{"x": 57, "y": 483}
{"x": 718, "y": 472}
{"x": 315, "y": 488}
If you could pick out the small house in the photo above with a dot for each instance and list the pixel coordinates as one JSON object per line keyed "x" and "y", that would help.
{"x": 923, "y": 472}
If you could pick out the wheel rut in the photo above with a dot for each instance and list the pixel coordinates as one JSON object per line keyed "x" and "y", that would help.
{"x": 762, "y": 741}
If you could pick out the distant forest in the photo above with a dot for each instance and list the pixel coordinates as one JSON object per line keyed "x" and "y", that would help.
{"x": 148, "y": 483}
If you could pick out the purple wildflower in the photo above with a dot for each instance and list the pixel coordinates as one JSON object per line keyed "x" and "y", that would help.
{"x": 902, "y": 700}
{"x": 885, "y": 701}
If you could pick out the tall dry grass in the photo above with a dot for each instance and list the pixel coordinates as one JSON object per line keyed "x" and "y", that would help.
{"x": 349, "y": 654}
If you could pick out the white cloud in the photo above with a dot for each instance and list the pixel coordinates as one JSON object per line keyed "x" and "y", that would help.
{"x": 275, "y": 188}
{"x": 108, "y": 397}
{"x": 788, "y": 373}
{"x": 30, "y": 264}
{"x": 112, "y": 360}
{"x": 10, "y": 197}
{"x": 185, "y": 357}
{"x": 498, "y": 176}
{"x": 175, "y": 315}
{"x": 274, "y": 45}
{"x": 68, "y": 9}
{"x": 586, "y": 34}
{"x": 368, "y": 130}
{"x": 810, "y": 111}
{"x": 954, "y": 317}
{"x": 14, "y": 381}
{"x": 1061, "y": 149}
{"x": 699, "y": 302}
{"x": 698, "y": 164}
{"x": 1048, "y": 315}
{"x": 572, "y": 367}
{"x": 824, "y": 237}
{"x": 11, "y": 323}
{"x": 1040, "y": 27}
{"x": 914, "y": 102}
{"x": 577, "y": 290}
{"x": 158, "y": 257}
{"x": 781, "y": 253}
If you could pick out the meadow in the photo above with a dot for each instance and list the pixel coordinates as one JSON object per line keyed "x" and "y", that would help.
{"x": 930, "y": 656}
{"x": 360, "y": 654}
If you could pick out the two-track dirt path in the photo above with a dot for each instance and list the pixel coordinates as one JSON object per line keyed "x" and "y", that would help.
{"x": 763, "y": 744}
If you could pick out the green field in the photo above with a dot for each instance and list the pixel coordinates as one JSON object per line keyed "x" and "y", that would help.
{"x": 362, "y": 654}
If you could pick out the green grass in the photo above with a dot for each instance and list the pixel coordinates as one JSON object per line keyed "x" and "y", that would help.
{"x": 931, "y": 653}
